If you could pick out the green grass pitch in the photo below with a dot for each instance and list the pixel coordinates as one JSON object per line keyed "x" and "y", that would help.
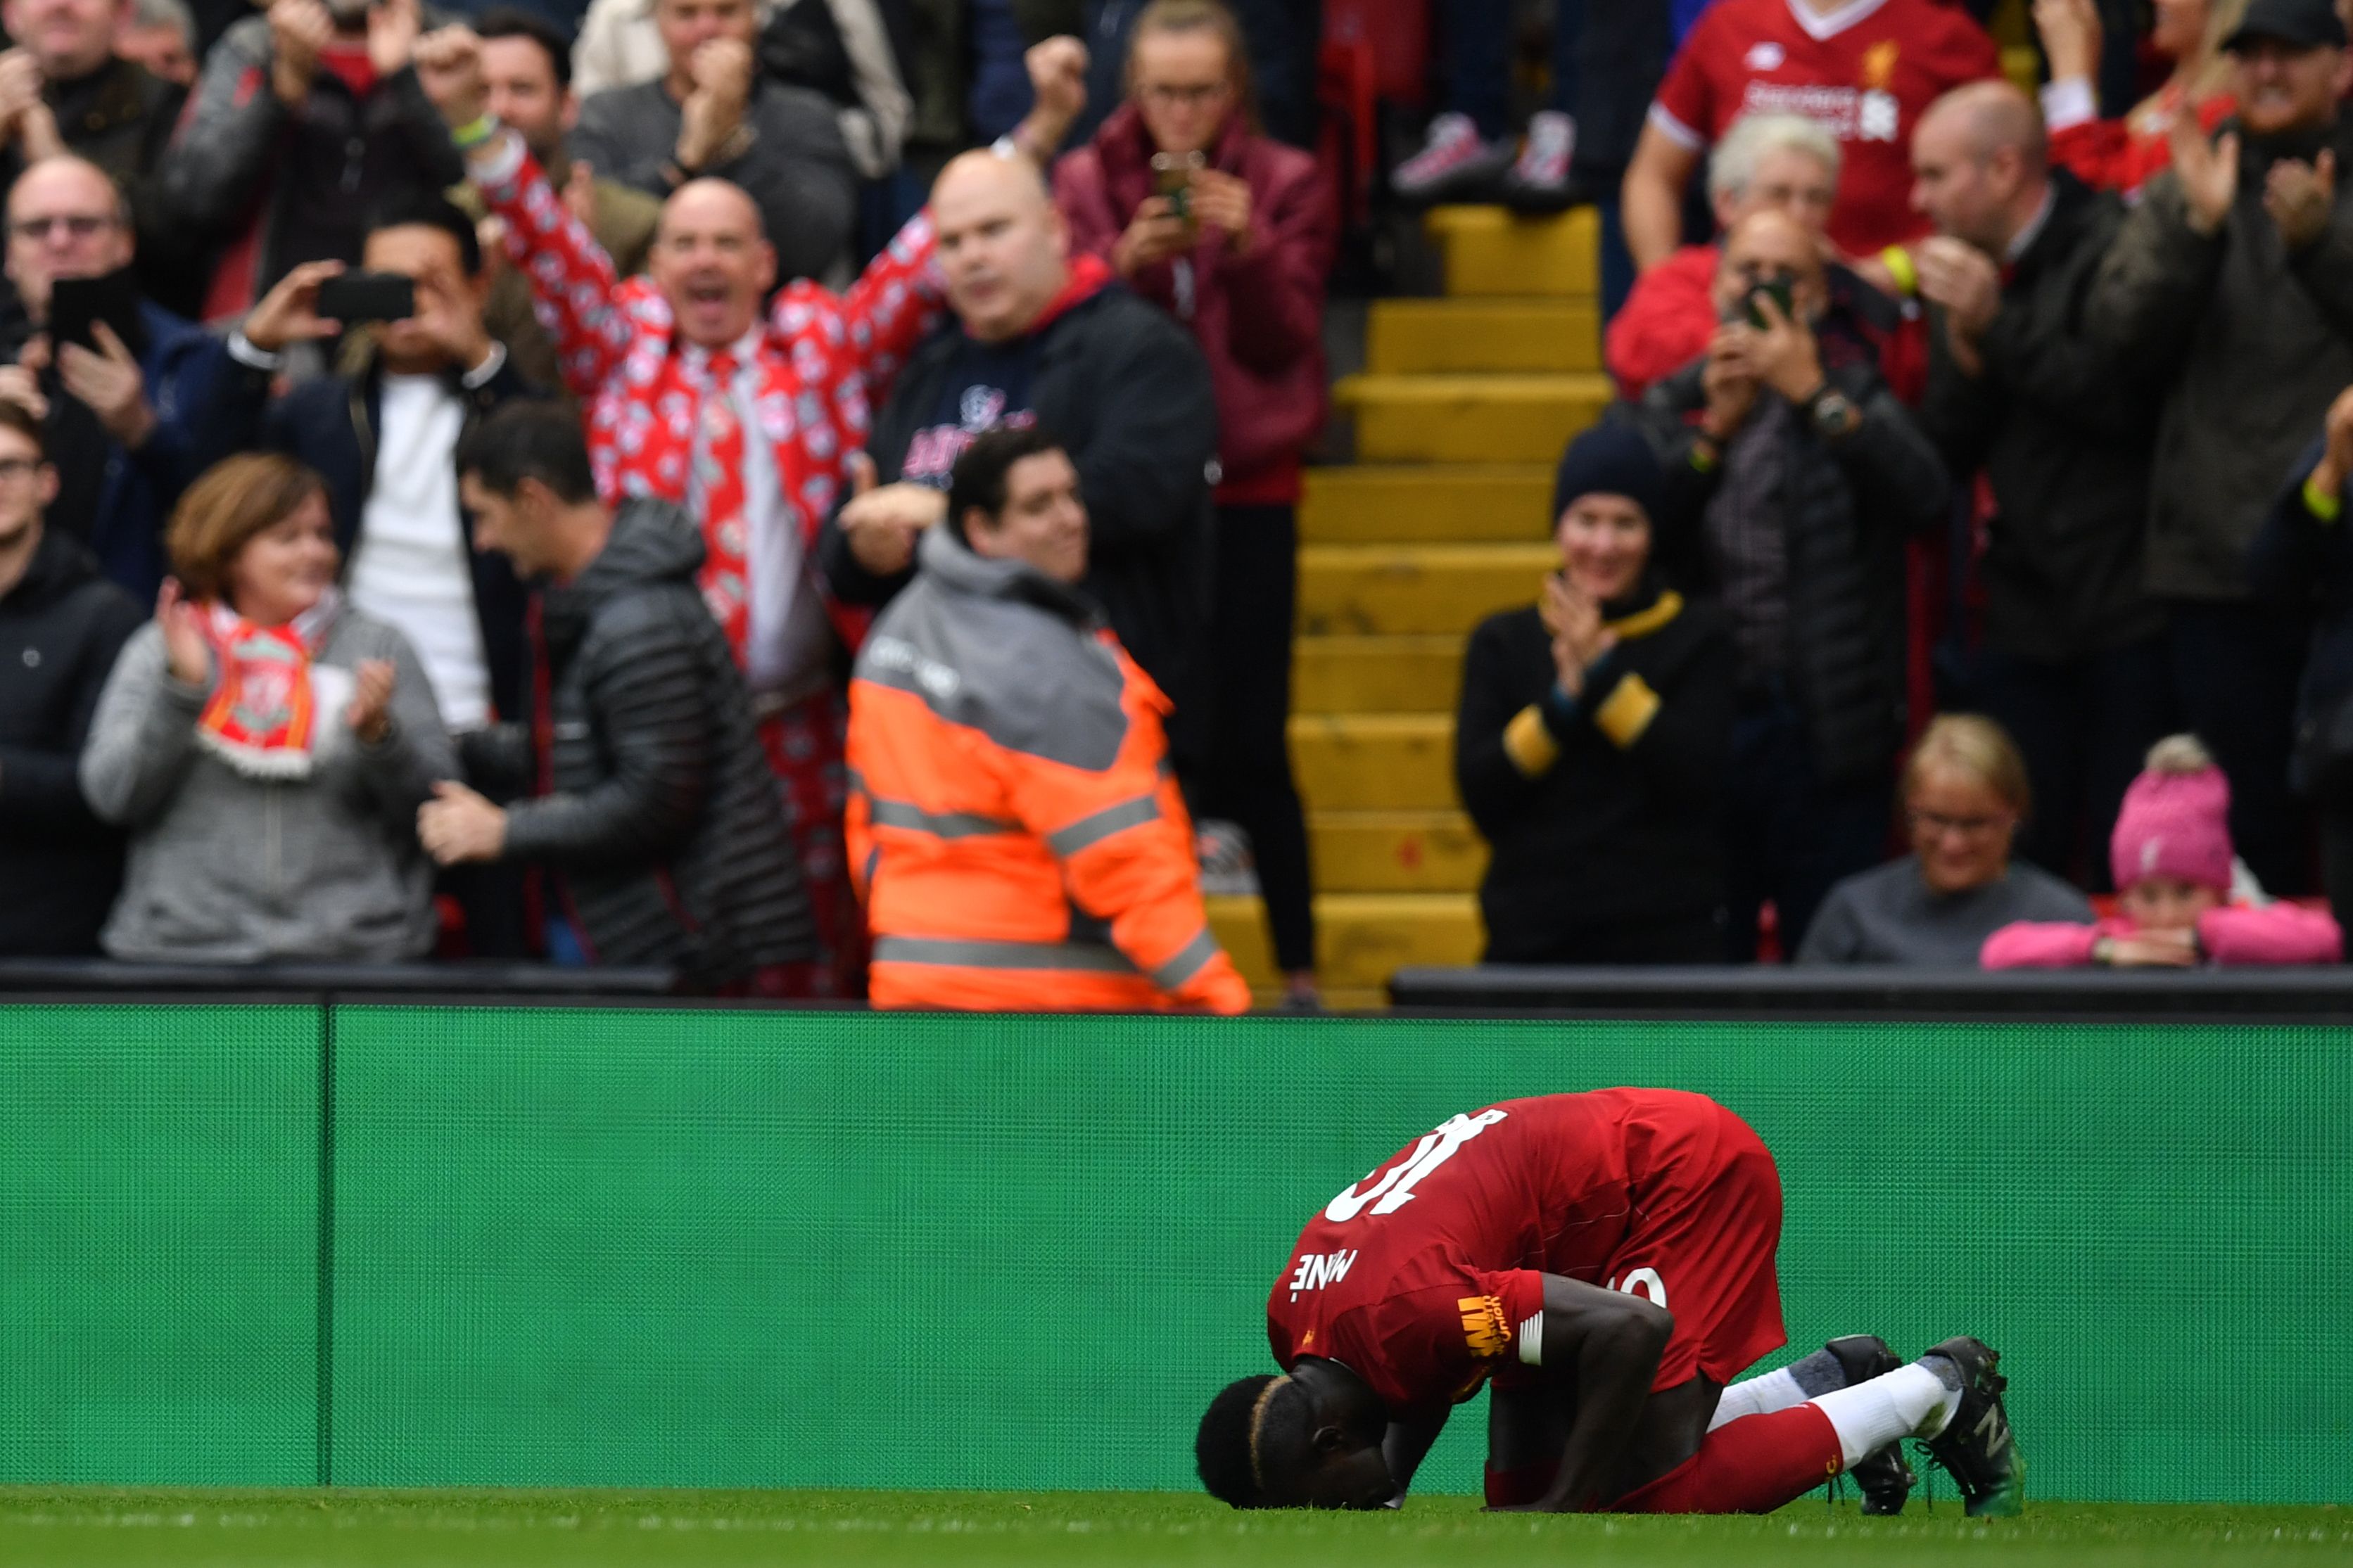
{"x": 117, "y": 1529}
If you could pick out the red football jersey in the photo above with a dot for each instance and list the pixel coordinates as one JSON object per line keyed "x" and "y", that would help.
{"x": 1867, "y": 71}
{"x": 1422, "y": 1277}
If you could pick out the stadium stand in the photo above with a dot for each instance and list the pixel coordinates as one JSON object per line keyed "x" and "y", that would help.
{"x": 1460, "y": 414}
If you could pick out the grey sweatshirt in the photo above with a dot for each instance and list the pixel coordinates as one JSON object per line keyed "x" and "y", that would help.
{"x": 229, "y": 869}
{"x": 1887, "y": 915}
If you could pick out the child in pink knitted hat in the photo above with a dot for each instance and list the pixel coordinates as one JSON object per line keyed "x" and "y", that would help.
{"x": 2171, "y": 855}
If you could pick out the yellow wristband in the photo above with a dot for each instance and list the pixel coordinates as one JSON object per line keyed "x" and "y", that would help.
{"x": 2321, "y": 503}
{"x": 1898, "y": 262}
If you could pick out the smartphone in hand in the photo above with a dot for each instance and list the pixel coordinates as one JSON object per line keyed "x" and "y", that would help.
{"x": 352, "y": 298}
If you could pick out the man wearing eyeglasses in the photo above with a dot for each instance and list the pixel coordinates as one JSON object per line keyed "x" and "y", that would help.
{"x": 65, "y": 89}
{"x": 125, "y": 414}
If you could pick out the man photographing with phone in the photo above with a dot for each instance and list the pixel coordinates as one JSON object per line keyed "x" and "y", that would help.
{"x": 384, "y": 434}
{"x": 120, "y": 386}
{"x": 1795, "y": 477}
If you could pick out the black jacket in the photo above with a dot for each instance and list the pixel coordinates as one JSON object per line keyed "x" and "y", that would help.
{"x": 2304, "y": 566}
{"x": 121, "y": 118}
{"x": 2066, "y": 433}
{"x": 2250, "y": 341}
{"x": 660, "y": 818}
{"x": 1125, "y": 389}
{"x": 1603, "y": 832}
{"x": 61, "y": 628}
{"x": 1848, "y": 507}
{"x": 330, "y": 423}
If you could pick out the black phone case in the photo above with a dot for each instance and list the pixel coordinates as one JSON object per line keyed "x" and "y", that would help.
{"x": 367, "y": 297}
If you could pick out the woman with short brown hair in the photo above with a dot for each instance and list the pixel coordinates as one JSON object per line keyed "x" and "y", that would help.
{"x": 1964, "y": 795}
{"x": 265, "y": 745}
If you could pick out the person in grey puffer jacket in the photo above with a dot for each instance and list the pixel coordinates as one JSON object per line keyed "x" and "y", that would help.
{"x": 265, "y": 746}
{"x": 304, "y": 120}
{"x": 650, "y": 805}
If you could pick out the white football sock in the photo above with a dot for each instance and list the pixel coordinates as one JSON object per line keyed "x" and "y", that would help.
{"x": 1910, "y": 1401}
{"x": 1757, "y": 1396}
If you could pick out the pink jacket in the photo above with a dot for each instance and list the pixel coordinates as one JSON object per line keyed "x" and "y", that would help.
{"x": 1259, "y": 317}
{"x": 2236, "y": 933}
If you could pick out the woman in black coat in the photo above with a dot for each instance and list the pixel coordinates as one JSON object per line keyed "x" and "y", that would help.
{"x": 1591, "y": 740}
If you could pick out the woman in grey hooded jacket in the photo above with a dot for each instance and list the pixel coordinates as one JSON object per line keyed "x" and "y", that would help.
{"x": 265, "y": 745}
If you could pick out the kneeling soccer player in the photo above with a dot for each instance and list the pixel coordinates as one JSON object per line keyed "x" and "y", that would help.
{"x": 1606, "y": 1259}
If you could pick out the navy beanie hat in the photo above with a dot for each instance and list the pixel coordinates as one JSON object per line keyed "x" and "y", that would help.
{"x": 1612, "y": 458}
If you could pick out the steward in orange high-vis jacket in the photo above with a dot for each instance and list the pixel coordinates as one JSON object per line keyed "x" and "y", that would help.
{"x": 1016, "y": 837}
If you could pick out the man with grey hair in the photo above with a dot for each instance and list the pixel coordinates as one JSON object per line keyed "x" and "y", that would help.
{"x": 1765, "y": 162}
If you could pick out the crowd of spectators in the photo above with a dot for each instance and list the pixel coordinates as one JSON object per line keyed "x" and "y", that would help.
{"x": 804, "y": 492}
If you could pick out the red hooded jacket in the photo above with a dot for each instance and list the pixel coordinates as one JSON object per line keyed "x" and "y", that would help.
{"x": 1258, "y": 315}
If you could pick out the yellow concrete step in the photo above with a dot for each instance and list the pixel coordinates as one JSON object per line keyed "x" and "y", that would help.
{"x": 1376, "y": 675}
{"x": 1470, "y": 418}
{"x": 1491, "y": 251}
{"x": 1361, "y": 939}
{"x": 1366, "y": 761}
{"x": 1420, "y": 336}
{"x": 1369, "y": 504}
{"x": 1396, "y": 852}
{"x": 1372, "y": 589}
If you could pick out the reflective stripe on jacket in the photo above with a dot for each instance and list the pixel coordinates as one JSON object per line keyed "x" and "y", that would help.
{"x": 1018, "y": 838}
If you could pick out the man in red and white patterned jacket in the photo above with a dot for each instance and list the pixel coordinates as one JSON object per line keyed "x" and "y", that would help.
{"x": 694, "y": 397}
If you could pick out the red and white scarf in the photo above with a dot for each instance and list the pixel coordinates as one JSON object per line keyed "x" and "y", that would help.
{"x": 263, "y": 717}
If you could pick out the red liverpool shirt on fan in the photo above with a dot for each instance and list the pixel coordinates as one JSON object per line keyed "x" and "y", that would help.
{"x": 1865, "y": 71}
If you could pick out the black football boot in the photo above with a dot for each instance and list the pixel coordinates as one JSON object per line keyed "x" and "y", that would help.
{"x": 1884, "y": 1477}
{"x": 1978, "y": 1450}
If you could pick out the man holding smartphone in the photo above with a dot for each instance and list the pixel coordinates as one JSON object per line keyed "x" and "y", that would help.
{"x": 1794, "y": 479}
{"x": 384, "y": 434}
{"x": 124, "y": 390}
{"x": 64, "y": 88}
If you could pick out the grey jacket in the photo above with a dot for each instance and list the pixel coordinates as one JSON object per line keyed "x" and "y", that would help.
{"x": 664, "y": 826}
{"x": 310, "y": 175}
{"x": 2254, "y": 342}
{"x": 227, "y": 868}
{"x": 797, "y": 170}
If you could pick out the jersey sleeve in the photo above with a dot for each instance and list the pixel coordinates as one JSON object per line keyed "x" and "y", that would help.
{"x": 1437, "y": 1345}
{"x": 1685, "y": 108}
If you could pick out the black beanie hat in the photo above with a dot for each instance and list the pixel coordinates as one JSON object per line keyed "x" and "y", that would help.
{"x": 1610, "y": 459}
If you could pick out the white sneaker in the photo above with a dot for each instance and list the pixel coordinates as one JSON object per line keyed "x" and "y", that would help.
{"x": 1454, "y": 158}
{"x": 1539, "y": 178}
{"x": 1228, "y": 868}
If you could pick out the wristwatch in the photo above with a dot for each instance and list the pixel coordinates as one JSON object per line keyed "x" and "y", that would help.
{"x": 1833, "y": 415}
